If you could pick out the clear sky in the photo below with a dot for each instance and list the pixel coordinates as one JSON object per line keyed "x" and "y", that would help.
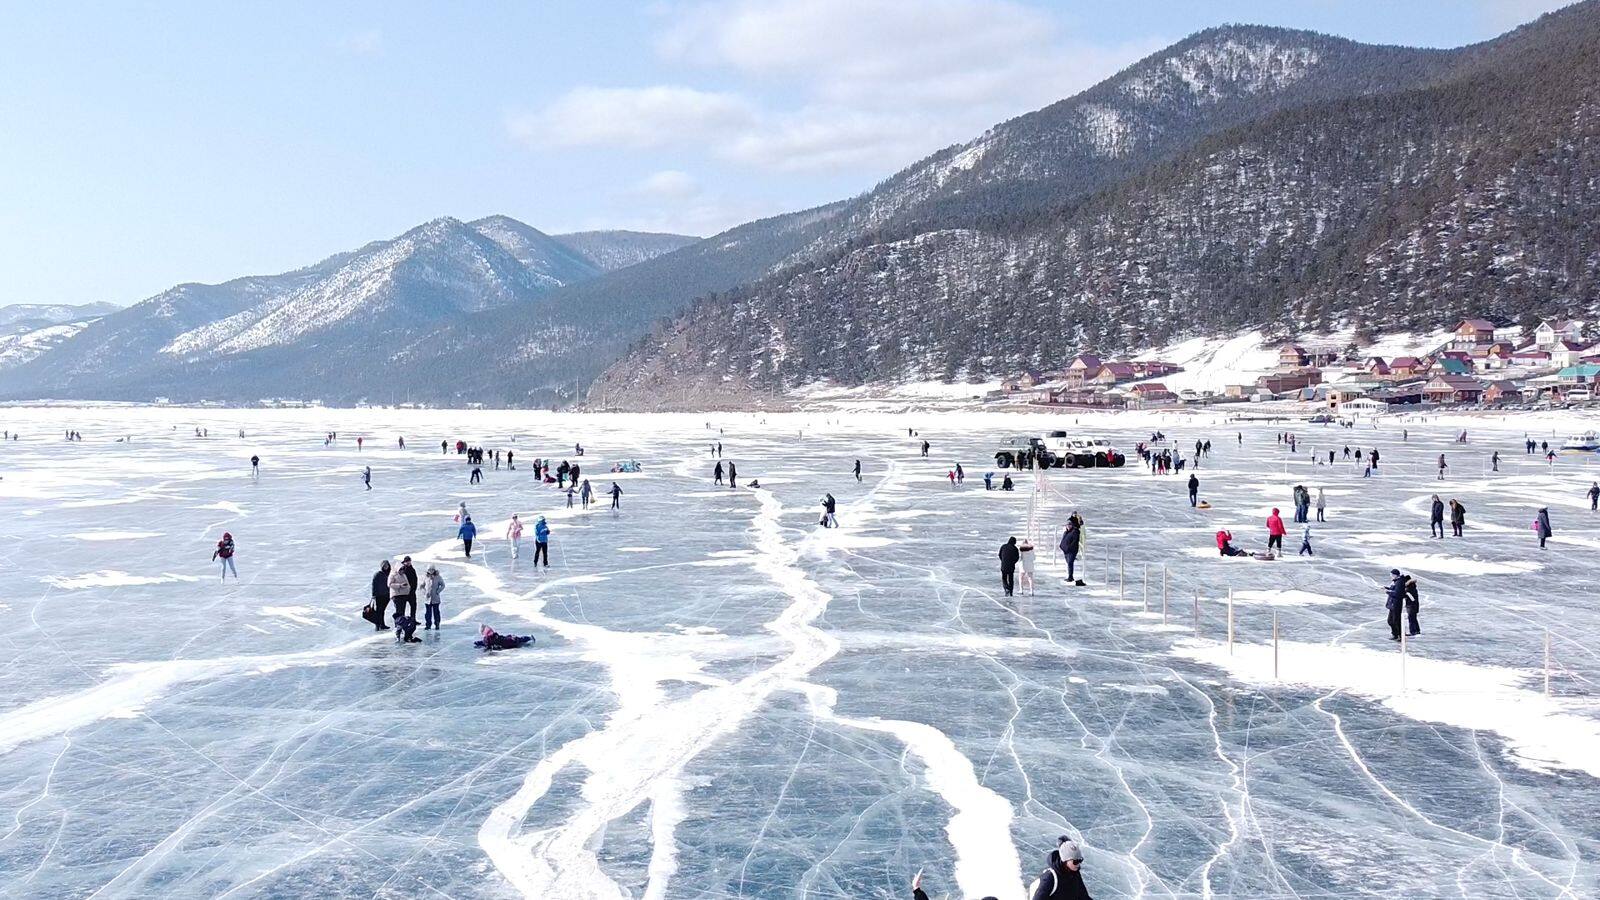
{"x": 145, "y": 144}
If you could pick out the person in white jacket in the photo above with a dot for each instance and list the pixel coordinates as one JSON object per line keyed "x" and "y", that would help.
{"x": 514, "y": 535}
{"x": 432, "y": 587}
{"x": 398, "y": 588}
{"x": 1025, "y": 557}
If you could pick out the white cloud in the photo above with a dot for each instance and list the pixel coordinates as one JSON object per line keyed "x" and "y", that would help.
{"x": 632, "y": 117}
{"x": 363, "y": 43}
{"x": 669, "y": 184}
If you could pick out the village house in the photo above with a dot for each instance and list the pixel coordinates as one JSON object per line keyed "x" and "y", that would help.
{"x": 1408, "y": 367}
{"x": 1114, "y": 373}
{"x": 1502, "y": 391}
{"x": 1566, "y": 353}
{"x": 1472, "y": 332}
{"x": 1492, "y": 358}
{"x": 1530, "y": 358}
{"x": 1283, "y": 382}
{"x": 1579, "y": 374}
{"x": 1027, "y": 381}
{"x": 1154, "y": 368}
{"x": 1377, "y": 366}
{"x": 1453, "y": 389}
{"x": 1553, "y": 331}
{"x": 1292, "y": 356}
{"x": 1083, "y": 368}
{"x": 1153, "y": 390}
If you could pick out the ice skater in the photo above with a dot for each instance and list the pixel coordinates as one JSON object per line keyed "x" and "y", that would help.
{"x": 587, "y": 494}
{"x": 616, "y": 495}
{"x": 255, "y": 466}
{"x": 541, "y": 542}
{"x": 1442, "y": 467}
{"x": 514, "y": 535}
{"x": 1305, "y": 542}
{"x": 858, "y": 470}
{"x": 225, "y": 550}
{"x": 467, "y": 532}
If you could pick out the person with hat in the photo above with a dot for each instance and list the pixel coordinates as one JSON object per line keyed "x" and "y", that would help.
{"x": 1396, "y": 594}
{"x": 432, "y": 587}
{"x": 1062, "y": 878}
{"x": 541, "y": 542}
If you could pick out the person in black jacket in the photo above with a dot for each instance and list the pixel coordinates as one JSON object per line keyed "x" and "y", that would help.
{"x": 1458, "y": 517}
{"x": 1436, "y": 518}
{"x": 1009, "y": 554}
{"x": 408, "y": 600}
{"x": 1395, "y": 601}
{"x": 917, "y": 893}
{"x": 1071, "y": 543}
{"x": 1194, "y": 490}
{"x": 380, "y": 594}
{"x": 1062, "y": 878}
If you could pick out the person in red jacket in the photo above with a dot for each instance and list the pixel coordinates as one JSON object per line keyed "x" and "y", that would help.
{"x": 1225, "y": 545}
{"x": 1275, "y": 531}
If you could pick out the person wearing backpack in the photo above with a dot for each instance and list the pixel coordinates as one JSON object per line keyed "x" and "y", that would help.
{"x": 1062, "y": 878}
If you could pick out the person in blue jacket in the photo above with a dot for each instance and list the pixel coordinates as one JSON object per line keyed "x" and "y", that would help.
{"x": 467, "y": 532}
{"x": 541, "y": 542}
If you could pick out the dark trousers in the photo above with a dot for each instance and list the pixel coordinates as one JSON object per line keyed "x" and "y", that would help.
{"x": 1072, "y": 563}
{"x": 1008, "y": 580}
{"x": 1412, "y": 627}
{"x": 1194, "y": 499}
{"x": 541, "y": 550}
{"x": 406, "y": 606}
{"x": 382, "y": 605}
{"x": 431, "y": 613}
{"x": 467, "y": 543}
{"x": 1394, "y": 622}
{"x": 1455, "y": 528}
{"x": 1436, "y": 528}
{"x": 1320, "y": 516}
{"x": 616, "y": 502}
{"x": 1305, "y": 549}
{"x": 1275, "y": 542}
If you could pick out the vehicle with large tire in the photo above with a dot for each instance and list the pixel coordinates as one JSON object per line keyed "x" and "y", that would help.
{"x": 1083, "y": 453}
{"x": 1022, "y": 452}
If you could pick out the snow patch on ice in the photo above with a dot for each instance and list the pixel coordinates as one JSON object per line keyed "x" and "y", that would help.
{"x": 110, "y": 578}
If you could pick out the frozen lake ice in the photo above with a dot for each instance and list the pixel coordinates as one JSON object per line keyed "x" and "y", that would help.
{"x": 727, "y": 701}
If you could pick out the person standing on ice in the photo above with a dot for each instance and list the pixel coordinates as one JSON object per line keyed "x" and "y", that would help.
{"x": 541, "y": 542}
{"x": 1494, "y": 461}
{"x": 858, "y": 470}
{"x": 467, "y": 532}
{"x": 514, "y": 535}
{"x": 1194, "y": 490}
{"x": 733, "y": 476}
{"x": 1541, "y": 527}
{"x": 1394, "y": 601}
{"x": 1322, "y": 506}
{"x": 380, "y": 594}
{"x": 1071, "y": 544}
{"x": 1436, "y": 518}
{"x": 1275, "y": 532}
{"x": 587, "y": 494}
{"x": 397, "y": 591}
{"x": 224, "y": 552}
{"x": 432, "y": 587}
{"x": 1009, "y": 554}
{"x": 366, "y": 477}
{"x": 255, "y": 466}
{"x": 1025, "y": 559}
{"x": 716, "y": 474}
{"x": 358, "y": 443}
{"x": 616, "y": 495}
{"x": 1594, "y": 496}
{"x": 1305, "y": 542}
{"x": 924, "y": 448}
{"x": 1062, "y": 878}
{"x": 1442, "y": 467}
{"x": 444, "y": 447}
{"x": 1458, "y": 517}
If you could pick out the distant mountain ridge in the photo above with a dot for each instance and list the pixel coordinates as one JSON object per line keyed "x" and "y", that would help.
{"x": 334, "y": 329}
{"x": 1433, "y": 185}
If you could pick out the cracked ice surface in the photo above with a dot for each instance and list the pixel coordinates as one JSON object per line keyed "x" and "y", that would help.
{"x": 727, "y": 701}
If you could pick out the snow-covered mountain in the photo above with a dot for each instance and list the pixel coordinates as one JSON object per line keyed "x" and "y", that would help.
{"x": 1427, "y": 187}
{"x": 333, "y": 329}
{"x": 20, "y": 317}
{"x": 612, "y": 250}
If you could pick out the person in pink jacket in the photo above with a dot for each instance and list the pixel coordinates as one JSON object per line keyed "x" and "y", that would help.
{"x": 1275, "y": 531}
{"x": 514, "y": 535}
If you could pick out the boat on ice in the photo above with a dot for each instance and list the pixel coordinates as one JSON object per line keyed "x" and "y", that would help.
{"x": 1587, "y": 442}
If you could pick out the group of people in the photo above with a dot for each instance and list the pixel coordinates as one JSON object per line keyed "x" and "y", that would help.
{"x": 398, "y": 584}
